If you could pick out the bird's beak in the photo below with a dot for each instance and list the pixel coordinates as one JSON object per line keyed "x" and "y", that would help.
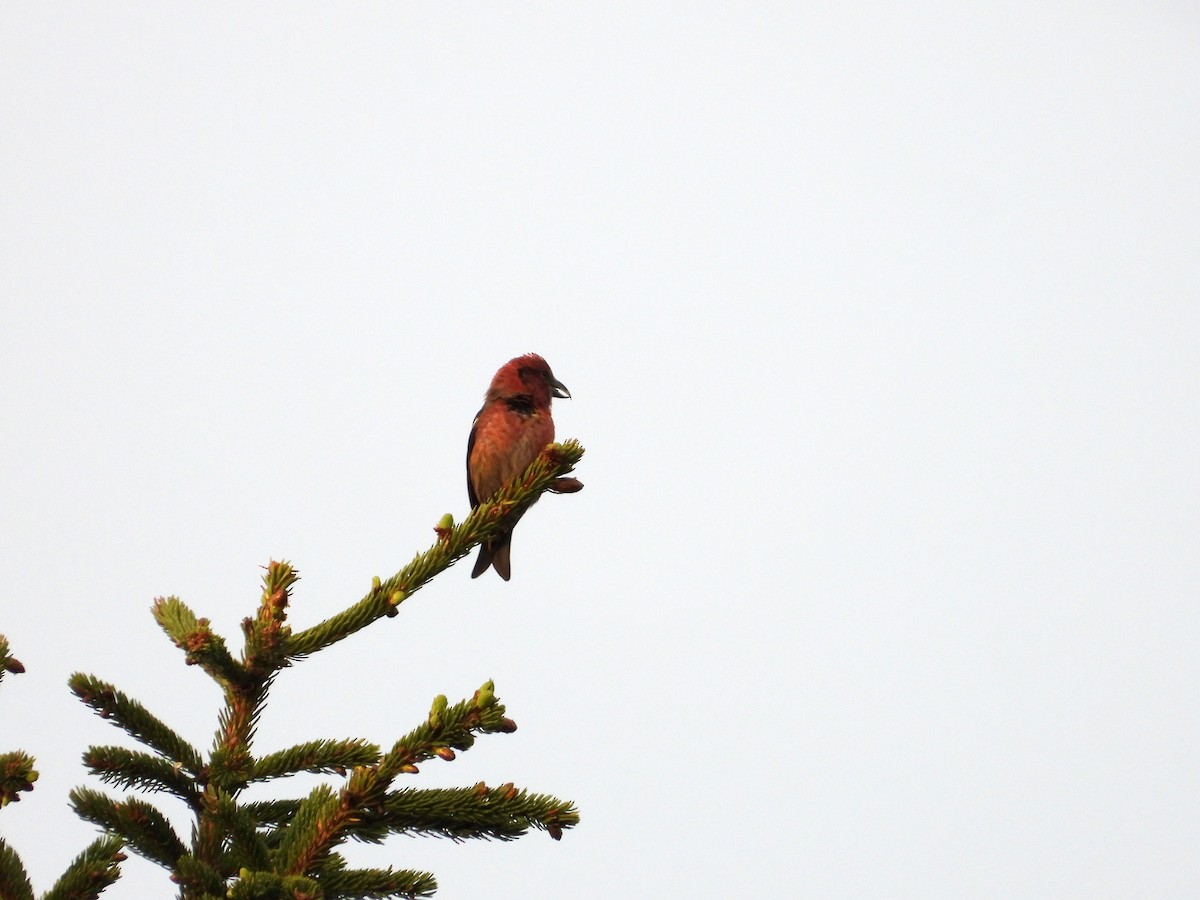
{"x": 557, "y": 388}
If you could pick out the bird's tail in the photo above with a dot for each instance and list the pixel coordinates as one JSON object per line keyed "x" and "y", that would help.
{"x": 494, "y": 554}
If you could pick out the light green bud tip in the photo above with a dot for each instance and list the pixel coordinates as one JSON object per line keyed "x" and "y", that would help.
{"x": 447, "y": 521}
{"x": 435, "y": 711}
{"x": 485, "y": 695}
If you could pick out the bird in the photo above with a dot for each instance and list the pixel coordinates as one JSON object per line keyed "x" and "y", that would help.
{"x": 510, "y": 430}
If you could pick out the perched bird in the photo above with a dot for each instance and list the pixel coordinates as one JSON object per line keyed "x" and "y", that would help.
{"x": 511, "y": 429}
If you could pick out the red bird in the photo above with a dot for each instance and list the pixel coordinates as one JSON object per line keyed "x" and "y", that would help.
{"x": 511, "y": 429}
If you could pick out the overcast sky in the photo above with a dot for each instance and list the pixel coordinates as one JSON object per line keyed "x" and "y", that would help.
{"x": 881, "y": 323}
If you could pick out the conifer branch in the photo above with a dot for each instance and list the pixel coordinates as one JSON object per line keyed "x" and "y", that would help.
{"x": 269, "y": 886}
{"x": 453, "y": 543}
{"x": 14, "y": 882}
{"x": 138, "y": 823}
{"x": 90, "y": 872}
{"x": 262, "y": 658}
{"x": 109, "y": 703}
{"x": 504, "y": 813}
{"x": 197, "y": 880}
{"x": 197, "y": 640}
{"x": 248, "y": 847}
{"x": 317, "y": 757}
{"x": 133, "y": 769}
{"x": 231, "y": 763}
{"x": 272, "y": 813}
{"x": 311, "y": 831}
{"x": 377, "y": 883}
{"x": 7, "y": 662}
{"x": 268, "y": 632}
{"x": 323, "y": 820}
{"x": 16, "y": 767}
{"x": 16, "y": 775}
{"x": 446, "y": 729}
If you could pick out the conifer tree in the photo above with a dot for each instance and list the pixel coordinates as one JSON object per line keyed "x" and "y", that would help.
{"x": 288, "y": 849}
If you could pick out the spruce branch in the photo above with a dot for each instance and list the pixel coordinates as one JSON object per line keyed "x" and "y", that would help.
{"x": 323, "y": 820}
{"x": 96, "y": 868}
{"x": 269, "y": 886}
{"x": 231, "y": 765}
{"x": 198, "y": 880}
{"x": 138, "y": 823}
{"x": 267, "y": 633}
{"x": 109, "y": 703}
{"x": 504, "y": 813}
{"x": 317, "y": 757}
{"x": 89, "y": 874}
{"x": 453, "y": 543}
{"x": 197, "y": 640}
{"x": 127, "y": 768}
{"x": 338, "y": 881}
{"x": 272, "y": 814}
{"x": 377, "y": 883}
{"x": 247, "y": 846}
{"x": 311, "y": 832}
{"x": 14, "y": 882}
{"x": 16, "y": 775}
{"x": 446, "y": 729}
{"x": 7, "y": 662}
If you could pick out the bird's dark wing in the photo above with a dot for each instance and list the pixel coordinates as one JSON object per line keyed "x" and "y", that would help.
{"x": 470, "y": 447}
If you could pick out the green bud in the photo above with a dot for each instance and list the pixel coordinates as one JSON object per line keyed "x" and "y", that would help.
{"x": 485, "y": 697}
{"x": 435, "y": 712}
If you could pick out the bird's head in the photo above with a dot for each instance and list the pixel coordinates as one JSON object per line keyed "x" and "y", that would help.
{"x": 527, "y": 375}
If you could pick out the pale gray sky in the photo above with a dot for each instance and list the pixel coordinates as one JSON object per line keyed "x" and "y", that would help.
{"x": 881, "y": 323}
